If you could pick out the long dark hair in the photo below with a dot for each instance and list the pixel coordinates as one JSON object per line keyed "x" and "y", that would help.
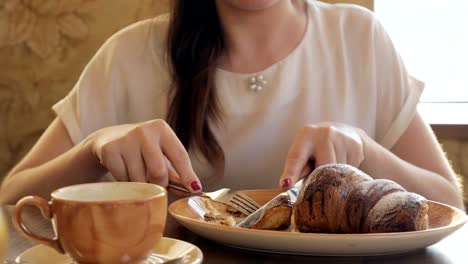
{"x": 194, "y": 45}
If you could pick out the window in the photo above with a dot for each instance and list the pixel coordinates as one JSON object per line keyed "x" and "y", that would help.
{"x": 432, "y": 38}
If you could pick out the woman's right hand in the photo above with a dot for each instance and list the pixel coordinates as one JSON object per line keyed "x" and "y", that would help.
{"x": 144, "y": 152}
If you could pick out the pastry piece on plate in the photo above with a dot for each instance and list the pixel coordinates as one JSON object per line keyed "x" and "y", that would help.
{"x": 219, "y": 218}
{"x": 274, "y": 215}
{"x": 215, "y": 212}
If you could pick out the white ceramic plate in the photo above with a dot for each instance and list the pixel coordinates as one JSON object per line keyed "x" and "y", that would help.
{"x": 168, "y": 249}
{"x": 443, "y": 220}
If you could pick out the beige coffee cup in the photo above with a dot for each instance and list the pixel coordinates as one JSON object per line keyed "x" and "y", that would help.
{"x": 113, "y": 222}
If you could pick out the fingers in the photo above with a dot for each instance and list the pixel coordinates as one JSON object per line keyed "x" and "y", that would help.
{"x": 297, "y": 168}
{"x": 340, "y": 153}
{"x": 156, "y": 167}
{"x": 175, "y": 179}
{"x": 297, "y": 159}
{"x": 160, "y": 170}
{"x": 325, "y": 154}
{"x": 322, "y": 144}
{"x": 113, "y": 161}
{"x": 135, "y": 163}
{"x": 309, "y": 167}
{"x": 355, "y": 157}
{"x": 173, "y": 176}
{"x": 145, "y": 152}
{"x": 175, "y": 152}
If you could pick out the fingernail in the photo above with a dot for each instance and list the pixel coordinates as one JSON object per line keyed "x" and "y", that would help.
{"x": 195, "y": 186}
{"x": 286, "y": 183}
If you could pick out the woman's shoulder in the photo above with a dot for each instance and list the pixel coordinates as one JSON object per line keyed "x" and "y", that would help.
{"x": 138, "y": 39}
{"x": 151, "y": 28}
{"x": 342, "y": 15}
{"x": 354, "y": 27}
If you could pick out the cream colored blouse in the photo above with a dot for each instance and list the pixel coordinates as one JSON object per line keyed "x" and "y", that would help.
{"x": 344, "y": 70}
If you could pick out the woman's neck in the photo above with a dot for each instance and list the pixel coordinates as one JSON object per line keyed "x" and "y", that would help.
{"x": 257, "y": 39}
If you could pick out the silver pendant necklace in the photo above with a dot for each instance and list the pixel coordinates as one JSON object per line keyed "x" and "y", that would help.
{"x": 257, "y": 83}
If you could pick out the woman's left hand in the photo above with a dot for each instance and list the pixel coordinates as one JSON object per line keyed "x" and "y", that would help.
{"x": 321, "y": 144}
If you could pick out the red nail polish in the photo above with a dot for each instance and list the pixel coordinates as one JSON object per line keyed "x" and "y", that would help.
{"x": 195, "y": 186}
{"x": 286, "y": 183}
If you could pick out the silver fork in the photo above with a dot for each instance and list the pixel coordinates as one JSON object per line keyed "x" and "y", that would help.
{"x": 236, "y": 199}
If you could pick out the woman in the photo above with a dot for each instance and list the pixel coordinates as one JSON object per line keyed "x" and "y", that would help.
{"x": 241, "y": 94}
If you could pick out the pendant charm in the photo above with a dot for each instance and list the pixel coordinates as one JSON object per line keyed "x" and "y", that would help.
{"x": 257, "y": 83}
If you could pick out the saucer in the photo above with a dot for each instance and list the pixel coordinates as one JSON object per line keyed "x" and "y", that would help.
{"x": 168, "y": 249}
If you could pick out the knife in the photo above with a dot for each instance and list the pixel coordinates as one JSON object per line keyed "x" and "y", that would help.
{"x": 291, "y": 193}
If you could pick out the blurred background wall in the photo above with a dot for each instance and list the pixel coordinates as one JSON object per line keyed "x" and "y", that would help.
{"x": 44, "y": 46}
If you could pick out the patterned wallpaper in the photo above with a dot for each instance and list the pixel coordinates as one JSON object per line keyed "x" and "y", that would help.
{"x": 44, "y": 45}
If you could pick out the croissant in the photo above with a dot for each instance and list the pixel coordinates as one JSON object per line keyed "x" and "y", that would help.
{"x": 338, "y": 198}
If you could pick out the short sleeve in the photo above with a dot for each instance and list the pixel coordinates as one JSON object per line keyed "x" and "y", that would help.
{"x": 398, "y": 93}
{"x": 100, "y": 97}
{"x": 90, "y": 104}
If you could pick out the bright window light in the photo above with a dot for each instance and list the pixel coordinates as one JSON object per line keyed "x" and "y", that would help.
{"x": 432, "y": 38}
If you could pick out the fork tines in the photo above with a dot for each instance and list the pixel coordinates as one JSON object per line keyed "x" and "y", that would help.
{"x": 245, "y": 202}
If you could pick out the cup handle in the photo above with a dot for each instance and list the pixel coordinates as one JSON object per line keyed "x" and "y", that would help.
{"x": 46, "y": 211}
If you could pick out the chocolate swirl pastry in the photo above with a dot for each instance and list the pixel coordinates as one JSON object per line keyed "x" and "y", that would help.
{"x": 338, "y": 198}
